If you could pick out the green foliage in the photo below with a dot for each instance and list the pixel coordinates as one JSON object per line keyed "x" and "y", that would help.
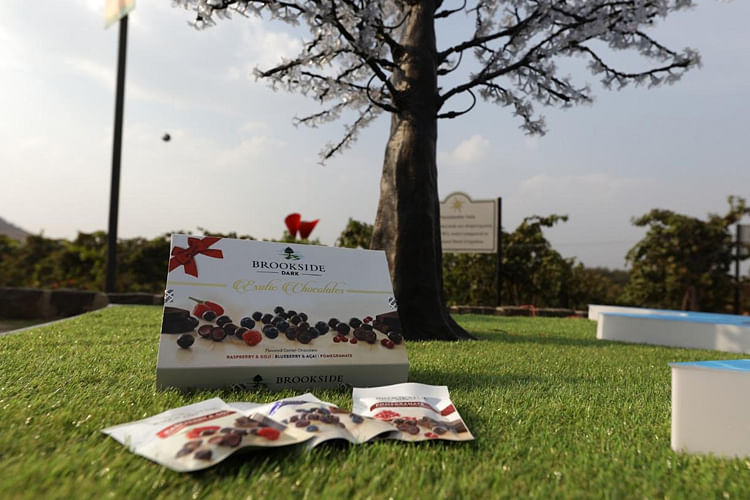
{"x": 597, "y": 285}
{"x": 532, "y": 273}
{"x": 286, "y": 237}
{"x": 470, "y": 278}
{"x": 41, "y": 262}
{"x": 356, "y": 234}
{"x": 81, "y": 263}
{"x": 684, "y": 262}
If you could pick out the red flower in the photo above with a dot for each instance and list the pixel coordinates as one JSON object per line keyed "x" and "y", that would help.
{"x": 306, "y": 227}
{"x": 292, "y": 222}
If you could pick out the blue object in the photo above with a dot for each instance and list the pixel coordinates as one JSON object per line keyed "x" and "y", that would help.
{"x": 738, "y": 365}
{"x": 691, "y": 317}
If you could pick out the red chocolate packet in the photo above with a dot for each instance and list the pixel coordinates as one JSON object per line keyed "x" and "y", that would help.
{"x": 198, "y": 436}
{"x": 417, "y": 412}
{"x": 324, "y": 421}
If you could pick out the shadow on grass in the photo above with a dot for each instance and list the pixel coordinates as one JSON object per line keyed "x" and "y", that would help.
{"x": 472, "y": 381}
{"x": 498, "y": 335}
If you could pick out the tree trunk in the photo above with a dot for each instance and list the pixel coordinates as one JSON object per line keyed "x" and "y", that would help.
{"x": 407, "y": 225}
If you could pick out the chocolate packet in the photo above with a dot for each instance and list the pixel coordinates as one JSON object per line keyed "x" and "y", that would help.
{"x": 200, "y": 435}
{"x": 323, "y": 421}
{"x": 417, "y": 412}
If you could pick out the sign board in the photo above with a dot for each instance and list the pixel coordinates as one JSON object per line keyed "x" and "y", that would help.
{"x": 114, "y": 10}
{"x": 246, "y": 313}
{"x": 468, "y": 226}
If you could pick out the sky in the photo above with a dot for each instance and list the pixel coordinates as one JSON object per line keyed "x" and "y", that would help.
{"x": 236, "y": 162}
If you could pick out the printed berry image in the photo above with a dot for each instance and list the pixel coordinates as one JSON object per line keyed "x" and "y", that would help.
{"x": 203, "y": 454}
{"x": 342, "y": 328}
{"x": 247, "y": 322}
{"x": 218, "y": 334}
{"x": 291, "y": 332}
{"x": 252, "y": 337}
{"x": 200, "y": 309}
{"x": 189, "y": 447}
{"x": 270, "y": 331}
{"x": 387, "y": 343}
{"x": 295, "y": 326}
{"x": 205, "y": 331}
{"x": 185, "y": 340}
{"x": 304, "y": 337}
{"x": 206, "y": 305}
{"x": 282, "y": 325}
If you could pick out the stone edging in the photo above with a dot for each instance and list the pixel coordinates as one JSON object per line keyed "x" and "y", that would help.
{"x": 518, "y": 311}
{"x": 36, "y": 303}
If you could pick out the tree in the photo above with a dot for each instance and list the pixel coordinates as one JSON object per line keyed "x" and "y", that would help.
{"x": 534, "y": 272}
{"x": 596, "y": 285}
{"x": 683, "y": 262}
{"x": 375, "y": 56}
{"x": 356, "y": 234}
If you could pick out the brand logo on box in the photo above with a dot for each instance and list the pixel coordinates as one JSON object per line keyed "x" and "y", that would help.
{"x": 308, "y": 379}
{"x": 289, "y": 254}
{"x": 289, "y": 268}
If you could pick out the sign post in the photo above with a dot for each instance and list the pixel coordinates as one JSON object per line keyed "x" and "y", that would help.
{"x": 115, "y": 10}
{"x": 499, "y": 266}
{"x": 741, "y": 252}
{"x": 472, "y": 226}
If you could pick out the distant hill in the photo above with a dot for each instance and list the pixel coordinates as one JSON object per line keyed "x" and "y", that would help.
{"x": 8, "y": 229}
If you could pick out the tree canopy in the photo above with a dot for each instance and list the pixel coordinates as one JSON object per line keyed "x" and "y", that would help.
{"x": 355, "y": 55}
{"x": 683, "y": 262}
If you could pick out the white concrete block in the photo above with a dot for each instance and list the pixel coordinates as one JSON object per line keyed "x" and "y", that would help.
{"x": 731, "y": 335}
{"x": 710, "y": 407}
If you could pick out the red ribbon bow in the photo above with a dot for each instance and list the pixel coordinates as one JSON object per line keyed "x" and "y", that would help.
{"x": 186, "y": 256}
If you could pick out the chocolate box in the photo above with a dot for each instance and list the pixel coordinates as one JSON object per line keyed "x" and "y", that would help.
{"x": 247, "y": 313}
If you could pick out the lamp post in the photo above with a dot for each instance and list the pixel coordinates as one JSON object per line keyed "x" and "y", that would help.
{"x": 114, "y": 193}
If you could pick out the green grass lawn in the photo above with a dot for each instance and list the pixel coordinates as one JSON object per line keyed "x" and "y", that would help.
{"x": 556, "y": 414}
